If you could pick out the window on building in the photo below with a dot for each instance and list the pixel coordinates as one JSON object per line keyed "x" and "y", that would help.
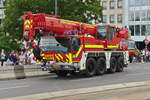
{"x": 112, "y": 19}
{"x": 1, "y": 1}
{"x": 141, "y": 2}
{"x": 144, "y": 2}
{"x": 1, "y": 12}
{"x": 119, "y": 18}
{"x": 119, "y": 3}
{"x": 148, "y": 30}
{"x": 143, "y": 30}
{"x": 131, "y": 27}
{"x": 143, "y": 15}
{"x": 104, "y": 5}
{"x": 131, "y": 15}
{"x": 131, "y": 3}
{"x": 104, "y": 19}
{"x": 112, "y": 4}
{"x": 137, "y": 30}
{"x": 138, "y": 2}
{"x": 148, "y": 15}
{"x": 137, "y": 16}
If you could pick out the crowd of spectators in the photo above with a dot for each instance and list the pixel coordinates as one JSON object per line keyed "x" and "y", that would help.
{"x": 23, "y": 57}
{"x": 142, "y": 56}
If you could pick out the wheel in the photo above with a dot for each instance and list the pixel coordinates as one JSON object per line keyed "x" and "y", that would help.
{"x": 120, "y": 64}
{"x": 113, "y": 65}
{"x": 101, "y": 66}
{"x": 90, "y": 67}
{"x": 61, "y": 73}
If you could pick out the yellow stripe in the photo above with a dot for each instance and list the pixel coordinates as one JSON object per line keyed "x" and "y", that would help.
{"x": 77, "y": 54}
{"x": 113, "y": 46}
{"x": 68, "y": 22}
{"x": 27, "y": 21}
{"x": 102, "y": 51}
{"x": 60, "y": 56}
{"x": 69, "y": 57}
{"x": 42, "y": 54}
{"x": 90, "y": 26}
{"x": 44, "y": 58}
{"x": 26, "y": 26}
{"x": 94, "y": 46}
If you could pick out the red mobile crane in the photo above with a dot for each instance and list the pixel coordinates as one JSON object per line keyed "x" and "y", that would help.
{"x": 71, "y": 46}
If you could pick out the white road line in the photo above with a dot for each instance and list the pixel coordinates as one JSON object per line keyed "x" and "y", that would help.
{"x": 137, "y": 74}
{"x": 14, "y": 87}
{"x": 86, "y": 79}
{"x": 8, "y": 84}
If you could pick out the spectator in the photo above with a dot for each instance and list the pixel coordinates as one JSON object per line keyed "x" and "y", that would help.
{"x": 13, "y": 57}
{"x": 32, "y": 61}
{"x": 27, "y": 58}
{"x": 3, "y": 57}
{"x": 22, "y": 58}
{"x": 9, "y": 62}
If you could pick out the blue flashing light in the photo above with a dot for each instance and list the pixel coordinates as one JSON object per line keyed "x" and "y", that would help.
{"x": 73, "y": 32}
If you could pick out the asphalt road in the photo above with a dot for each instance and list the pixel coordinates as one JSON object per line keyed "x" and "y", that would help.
{"x": 13, "y": 88}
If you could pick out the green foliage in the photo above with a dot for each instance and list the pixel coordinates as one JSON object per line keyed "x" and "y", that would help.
{"x": 69, "y": 9}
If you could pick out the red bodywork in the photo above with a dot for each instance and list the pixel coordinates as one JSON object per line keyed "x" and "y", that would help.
{"x": 54, "y": 26}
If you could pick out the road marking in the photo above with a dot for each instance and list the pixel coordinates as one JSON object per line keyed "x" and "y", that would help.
{"x": 137, "y": 74}
{"x": 86, "y": 79}
{"x": 79, "y": 91}
{"x": 15, "y": 87}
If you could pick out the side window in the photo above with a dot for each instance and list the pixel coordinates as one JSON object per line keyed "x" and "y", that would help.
{"x": 101, "y": 33}
{"x": 111, "y": 33}
{"x": 76, "y": 44}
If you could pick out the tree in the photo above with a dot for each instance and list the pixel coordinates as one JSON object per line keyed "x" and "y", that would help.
{"x": 68, "y": 9}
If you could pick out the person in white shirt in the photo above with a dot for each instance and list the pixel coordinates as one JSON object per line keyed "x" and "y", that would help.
{"x": 22, "y": 58}
{"x": 3, "y": 57}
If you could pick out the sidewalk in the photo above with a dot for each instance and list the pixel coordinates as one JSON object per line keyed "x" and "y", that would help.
{"x": 123, "y": 91}
{"x": 7, "y": 72}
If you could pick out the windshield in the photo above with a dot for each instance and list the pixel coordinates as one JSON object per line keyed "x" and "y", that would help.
{"x": 101, "y": 32}
{"x": 130, "y": 44}
{"x": 55, "y": 44}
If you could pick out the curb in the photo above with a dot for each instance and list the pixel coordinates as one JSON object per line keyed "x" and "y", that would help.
{"x": 45, "y": 96}
{"x": 11, "y": 73}
{"x": 4, "y": 77}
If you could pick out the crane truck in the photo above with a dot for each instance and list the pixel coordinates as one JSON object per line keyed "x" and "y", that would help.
{"x": 75, "y": 47}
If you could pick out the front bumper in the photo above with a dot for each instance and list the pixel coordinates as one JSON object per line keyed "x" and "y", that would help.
{"x": 62, "y": 66}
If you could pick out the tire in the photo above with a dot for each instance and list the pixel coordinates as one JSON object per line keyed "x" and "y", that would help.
{"x": 90, "y": 67}
{"x": 61, "y": 73}
{"x": 101, "y": 66}
{"x": 120, "y": 64}
{"x": 113, "y": 65}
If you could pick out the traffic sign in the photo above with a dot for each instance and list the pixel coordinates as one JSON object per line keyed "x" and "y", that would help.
{"x": 146, "y": 42}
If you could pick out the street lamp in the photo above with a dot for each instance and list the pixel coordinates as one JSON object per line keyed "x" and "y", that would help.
{"x": 55, "y": 7}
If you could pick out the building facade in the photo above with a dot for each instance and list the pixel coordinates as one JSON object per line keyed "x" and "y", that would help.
{"x": 135, "y": 14}
{"x": 2, "y": 15}
{"x": 138, "y": 20}
{"x": 113, "y": 12}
